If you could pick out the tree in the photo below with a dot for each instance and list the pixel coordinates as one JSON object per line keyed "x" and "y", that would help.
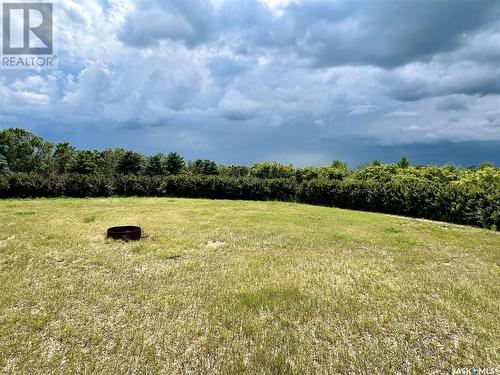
{"x": 379, "y": 173}
{"x": 403, "y": 162}
{"x": 155, "y": 165}
{"x": 267, "y": 169}
{"x": 110, "y": 158}
{"x": 307, "y": 173}
{"x": 233, "y": 170}
{"x": 203, "y": 167}
{"x": 337, "y": 164}
{"x": 210, "y": 168}
{"x": 85, "y": 162}
{"x": 4, "y": 166}
{"x": 195, "y": 166}
{"x": 130, "y": 163}
{"x": 25, "y": 151}
{"x": 174, "y": 163}
{"x": 338, "y": 170}
{"x": 62, "y": 157}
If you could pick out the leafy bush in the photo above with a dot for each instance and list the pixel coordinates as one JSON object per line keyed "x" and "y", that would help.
{"x": 233, "y": 170}
{"x": 335, "y": 171}
{"x": 267, "y": 169}
{"x": 409, "y": 196}
{"x": 228, "y": 188}
{"x": 23, "y": 185}
{"x": 76, "y": 185}
{"x": 487, "y": 178}
{"x": 451, "y": 203}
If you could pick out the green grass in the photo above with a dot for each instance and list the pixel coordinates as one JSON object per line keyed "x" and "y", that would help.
{"x": 89, "y": 219}
{"x": 242, "y": 287}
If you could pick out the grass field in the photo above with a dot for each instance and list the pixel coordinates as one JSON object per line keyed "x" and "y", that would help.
{"x": 242, "y": 287}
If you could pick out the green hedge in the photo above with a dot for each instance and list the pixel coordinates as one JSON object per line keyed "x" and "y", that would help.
{"x": 445, "y": 202}
{"x": 436, "y": 201}
{"x": 23, "y": 185}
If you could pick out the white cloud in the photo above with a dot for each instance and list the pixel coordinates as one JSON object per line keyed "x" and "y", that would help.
{"x": 235, "y": 106}
{"x": 402, "y": 114}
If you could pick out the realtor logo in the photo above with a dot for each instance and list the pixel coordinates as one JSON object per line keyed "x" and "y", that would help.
{"x": 27, "y": 29}
{"x": 28, "y": 35}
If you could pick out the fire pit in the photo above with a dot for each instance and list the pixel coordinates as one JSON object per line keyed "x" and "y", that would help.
{"x": 125, "y": 233}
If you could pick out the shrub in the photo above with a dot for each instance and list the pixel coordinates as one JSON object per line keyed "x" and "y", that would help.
{"x": 409, "y": 196}
{"x": 335, "y": 171}
{"x": 267, "y": 169}
{"x": 78, "y": 185}
{"x": 233, "y": 170}
{"x": 451, "y": 203}
{"x": 228, "y": 188}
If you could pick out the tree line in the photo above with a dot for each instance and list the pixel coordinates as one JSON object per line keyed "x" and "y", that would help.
{"x": 23, "y": 151}
{"x": 33, "y": 167}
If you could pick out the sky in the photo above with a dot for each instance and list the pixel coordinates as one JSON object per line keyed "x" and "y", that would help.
{"x": 295, "y": 81}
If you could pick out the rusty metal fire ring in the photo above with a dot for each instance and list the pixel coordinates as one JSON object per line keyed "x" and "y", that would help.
{"x": 125, "y": 233}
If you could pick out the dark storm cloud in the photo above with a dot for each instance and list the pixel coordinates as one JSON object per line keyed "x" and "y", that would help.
{"x": 442, "y": 79}
{"x": 384, "y": 33}
{"x": 191, "y": 22}
{"x": 300, "y": 81}
{"x": 454, "y": 103}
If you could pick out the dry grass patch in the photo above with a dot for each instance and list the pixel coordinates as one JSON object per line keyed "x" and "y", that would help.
{"x": 241, "y": 287}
